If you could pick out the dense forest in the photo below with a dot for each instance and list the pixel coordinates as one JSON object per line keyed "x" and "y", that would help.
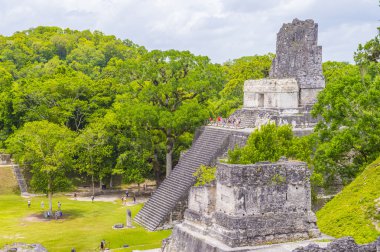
{"x": 84, "y": 105}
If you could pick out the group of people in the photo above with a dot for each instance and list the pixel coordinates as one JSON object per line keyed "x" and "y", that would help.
{"x": 47, "y": 214}
{"x": 231, "y": 122}
{"x": 124, "y": 198}
{"x": 59, "y": 204}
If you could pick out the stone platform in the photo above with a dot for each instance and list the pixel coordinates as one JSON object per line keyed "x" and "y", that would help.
{"x": 198, "y": 241}
{"x": 248, "y": 205}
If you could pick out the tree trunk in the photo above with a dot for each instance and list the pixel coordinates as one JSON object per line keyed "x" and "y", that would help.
{"x": 93, "y": 184}
{"x": 169, "y": 155}
{"x": 50, "y": 197}
{"x": 156, "y": 168}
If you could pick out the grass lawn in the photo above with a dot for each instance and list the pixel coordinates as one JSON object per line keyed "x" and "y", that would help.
{"x": 352, "y": 212}
{"x": 84, "y": 225}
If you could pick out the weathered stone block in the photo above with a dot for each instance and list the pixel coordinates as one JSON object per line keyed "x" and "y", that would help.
{"x": 271, "y": 93}
{"x": 244, "y": 190}
{"x": 299, "y": 56}
{"x": 202, "y": 199}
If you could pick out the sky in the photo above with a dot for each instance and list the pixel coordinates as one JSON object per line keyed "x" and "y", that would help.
{"x": 220, "y": 29}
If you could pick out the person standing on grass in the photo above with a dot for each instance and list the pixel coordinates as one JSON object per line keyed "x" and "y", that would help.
{"x": 102, "y": 245}
{"x": 29, "y": 203}
{"x": 59, "y": 205}
{"x": 92, "y": 198}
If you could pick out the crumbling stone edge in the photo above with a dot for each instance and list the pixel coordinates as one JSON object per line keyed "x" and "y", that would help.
{"x": 344, "y": 244}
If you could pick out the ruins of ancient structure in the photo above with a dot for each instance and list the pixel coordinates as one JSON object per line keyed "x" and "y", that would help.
{"x": 249, "y": 205}
{"x": 298, "y": 56}
{"x": 285, "y": 97}
{"x": 169, "y": 201}
{"x": 344, "y": 244}
{"x": 294, "y": 82}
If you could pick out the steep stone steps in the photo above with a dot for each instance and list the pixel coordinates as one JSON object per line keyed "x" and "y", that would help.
{"x": 205, "y": 149}
{"x": 20, "y": 178}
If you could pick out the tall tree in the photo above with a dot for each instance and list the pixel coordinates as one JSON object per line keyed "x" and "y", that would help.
{"x": 169, "y": 94}
{"x": 93, "y": 150}
{"x": 350, "y": 127}
{"x": 46, "y": 149}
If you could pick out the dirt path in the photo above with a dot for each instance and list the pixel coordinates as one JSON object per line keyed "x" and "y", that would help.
{"x": 112, "y": 198}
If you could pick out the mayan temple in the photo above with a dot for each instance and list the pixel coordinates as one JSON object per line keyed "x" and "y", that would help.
{"x": 233, "y": 210}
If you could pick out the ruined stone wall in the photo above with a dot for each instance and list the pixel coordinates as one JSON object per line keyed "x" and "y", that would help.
{"x": 202, "y": 199}
{"x": 299, "y": 56}
{"x": 176, "y": 215}
{"x": 252, "y": 118}
{"x": 263, "y": 187}
{"x": 201, "y": 205}
{"x": 252, "y": 205}
{"x": 271, "y": 93}
{"x": 264, "y": 202}
{"x": 345, "y": 244}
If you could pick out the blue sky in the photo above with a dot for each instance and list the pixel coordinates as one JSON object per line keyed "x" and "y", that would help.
{"x": 220, "y": 29}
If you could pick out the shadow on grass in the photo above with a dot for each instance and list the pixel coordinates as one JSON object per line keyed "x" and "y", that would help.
{"x": 66, "y": 215}
{"x": 73, "y": 214}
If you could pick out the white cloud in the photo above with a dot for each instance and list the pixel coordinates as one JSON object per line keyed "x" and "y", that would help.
{"x": 220, "y": 29}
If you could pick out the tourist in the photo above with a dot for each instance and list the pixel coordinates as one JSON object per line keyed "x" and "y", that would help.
{"x": 73, "y": 250}
{"x": 29, "y": 203}
{"x": 219, "y": 119}
{"x": 134, "y": 199}
{"x": 59, "y": 205}
{"x": 42, "y": 205}
{"x": 92, "y": 198}
{"x": 126, "y": 193}
{"x": 75, "y": 196}
{"x": 102, "y": 245}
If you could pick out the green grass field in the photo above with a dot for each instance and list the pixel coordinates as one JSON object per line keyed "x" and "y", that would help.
{"x": 352, "y": 212}
{"x": 84, "y": 225}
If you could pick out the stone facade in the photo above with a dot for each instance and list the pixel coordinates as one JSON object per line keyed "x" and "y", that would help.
{"x": 298, "y": 118}
{"x": 294, "y": 82}
{"x": 296, "y": 77}
{"x": 271, "y": 93}
{"x": 250, "y": 205}
{"x": 299, "y": 56}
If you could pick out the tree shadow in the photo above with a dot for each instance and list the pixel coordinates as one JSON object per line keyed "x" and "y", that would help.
{"x": 66, "y": 215}
{"x": 73, "y": 214}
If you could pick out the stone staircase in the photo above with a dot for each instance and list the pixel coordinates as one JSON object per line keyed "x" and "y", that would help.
{"x": 20, "y": 179}
{"x": 210, "y": 144}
